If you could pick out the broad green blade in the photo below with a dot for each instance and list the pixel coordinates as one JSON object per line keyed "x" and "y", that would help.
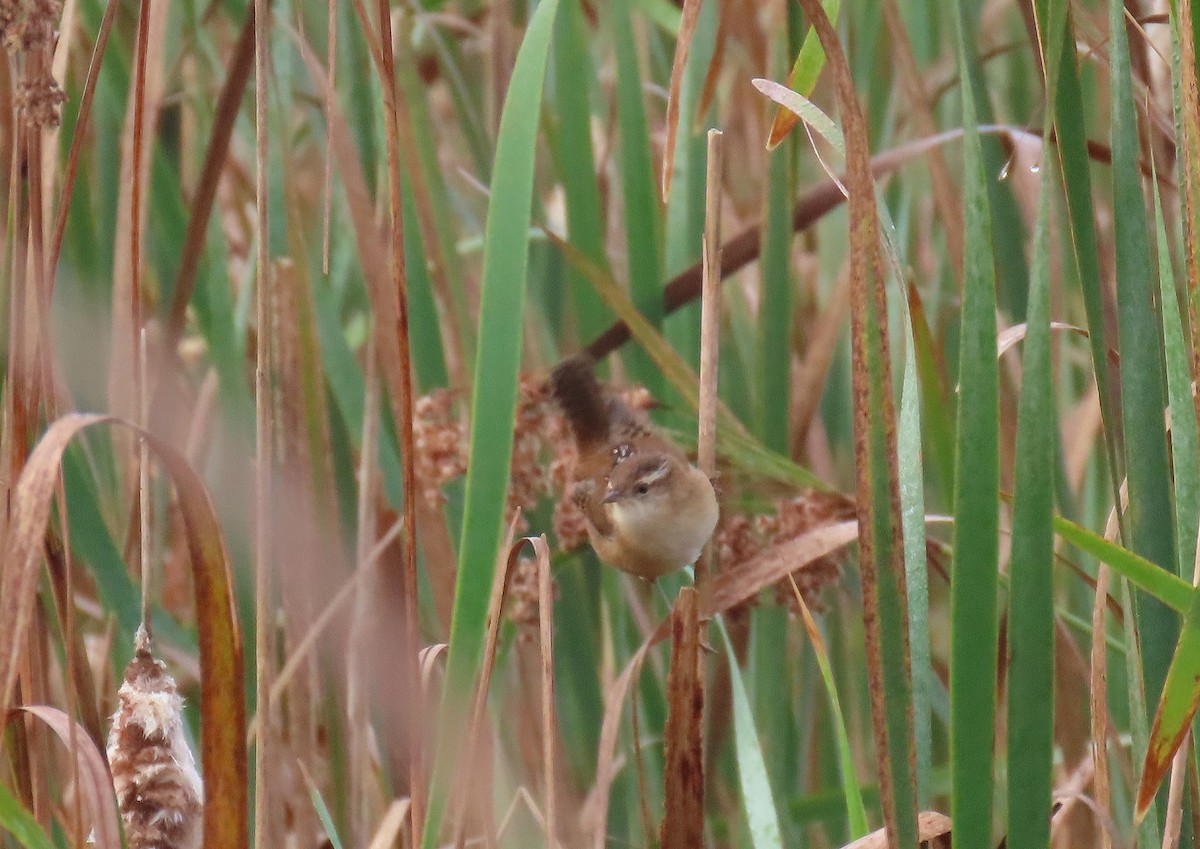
{"x": 1031, "y": 570}
{"x": 493, "y": 403}
{"x": 752, "y": 770}
{"x": 973, "y": 586}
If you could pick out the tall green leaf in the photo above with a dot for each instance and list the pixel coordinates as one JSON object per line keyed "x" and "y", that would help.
{"x": 494, "y": 399}
{"x": 973, "y": 587}
{"x": 1031, "y": 573}
{"x": 1150, "y": 515}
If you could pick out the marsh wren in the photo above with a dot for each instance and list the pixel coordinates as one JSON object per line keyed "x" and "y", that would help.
{"x": 649, "y": 511}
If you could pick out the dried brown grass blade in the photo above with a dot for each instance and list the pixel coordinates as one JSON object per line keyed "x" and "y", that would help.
{"x": 1010, "y": 336}
{"x": 683, "y": 46}
{"x": 738, "y": 585}
{"x": 683, "y": 771}
{"x": 94, "y": 783}
{"x": 932, "y": 828}
{"x": 222, "y": 695}
{"x": 392, "y": 306}
{"x": 264, "y": 459}
{"x": 594, "y": 817}
{"x": 389, "y": 827}
{"x": 146, "y": 97}
{"x": 464, "y": 790}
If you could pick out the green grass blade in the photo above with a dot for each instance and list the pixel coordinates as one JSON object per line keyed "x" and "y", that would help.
{"x": 577, "y": 165}
{"x": 20, "y": 823}
{"x": 1180, "y": 696}
{"x": 1181, "y": 692}
{"x": 493, "y": 403}
{"x": 775, "y": 313}
{"x": 1185, "y": 452}
{"x": 974, "y": 571}
{"x": 757, "y": 802}
{"x": 912, "y": 504}
{"x": 1149, "y": 577}
{"x": 1031, "y": 570}
{"x": 856, "y": 812}
{"x": 1143, "y": 398}
{"x": 642, "y": 213}
{"x": 1070, "y": 129}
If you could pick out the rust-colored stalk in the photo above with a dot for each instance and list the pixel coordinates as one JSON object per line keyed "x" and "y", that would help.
{"x": 401, "y": 393}
{"x": 79, "y": 137}
{"x": 262, "y": 477}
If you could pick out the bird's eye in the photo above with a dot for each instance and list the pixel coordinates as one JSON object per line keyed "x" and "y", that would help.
{"x": 641, "y": 488}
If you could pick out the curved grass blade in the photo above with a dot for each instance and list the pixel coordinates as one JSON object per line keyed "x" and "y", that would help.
{"x": 856, "y": 812}
{"x": 1181, "y": 692}
{"x": 803, "y": 77}
{"x": 494, "y": 397}
{"x": 1150, "y": 578}
{"x": 95, "y": 782}
{"x": 20, "y": 823}
{"x": 757, "y": 803}
{"x": 222, "y": 694}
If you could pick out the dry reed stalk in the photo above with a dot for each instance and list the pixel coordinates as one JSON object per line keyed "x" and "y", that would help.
{"x": 549, "y": 723}
{"x": 683, "y": 768}
{"x": 710, "y": 337}
{"x": 357, "y": 694}
{"x": 79, "y": 137}
{"x": 1098, "y": 686}
{"x": 263, "y": 606}
{"x": 399, "y": 376}
{"x": 683, "y": 46}
{"x": 1174, "y": 821}
{"x": 463, "y": 786}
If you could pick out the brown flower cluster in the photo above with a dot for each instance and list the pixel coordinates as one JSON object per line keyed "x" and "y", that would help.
{"x": 521, "y": 600}
{"x": 742, "y": 537}
{"x": 440, "y": 441}
{"x": 154, "y": 774}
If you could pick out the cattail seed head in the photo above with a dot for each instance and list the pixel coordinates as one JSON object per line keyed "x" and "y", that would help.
{"x": 154, "y": 774}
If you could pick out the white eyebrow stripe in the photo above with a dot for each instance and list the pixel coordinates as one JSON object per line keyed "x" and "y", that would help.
{"x": 655, "y": 474}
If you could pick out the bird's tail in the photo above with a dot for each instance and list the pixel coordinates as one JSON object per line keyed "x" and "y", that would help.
{"x": 582, "y": 400}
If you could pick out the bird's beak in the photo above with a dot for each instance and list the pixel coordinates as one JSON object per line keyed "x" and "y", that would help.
{"x": 611, "y": 496}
